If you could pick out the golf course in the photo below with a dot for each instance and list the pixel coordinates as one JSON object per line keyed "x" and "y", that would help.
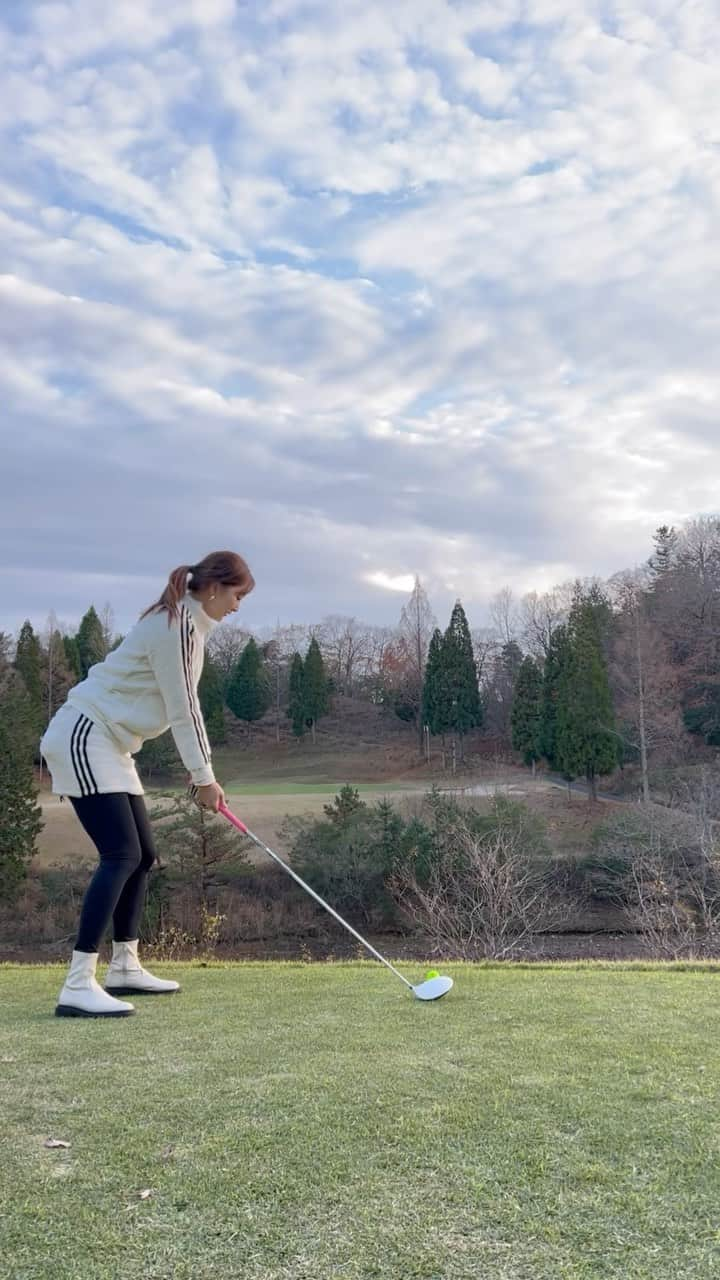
{"x": 307, "y": 1122}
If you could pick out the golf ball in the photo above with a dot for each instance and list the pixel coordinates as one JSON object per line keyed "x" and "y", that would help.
{"x": 431, "y": 973}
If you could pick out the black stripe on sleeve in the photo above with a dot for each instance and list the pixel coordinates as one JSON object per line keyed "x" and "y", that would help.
{"x": 77, "y": 761}
{"x": 186, "y": 630}
{"x": 198, "y": 708}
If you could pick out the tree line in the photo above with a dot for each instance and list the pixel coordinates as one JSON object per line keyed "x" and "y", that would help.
{"x": 586, "y": 677}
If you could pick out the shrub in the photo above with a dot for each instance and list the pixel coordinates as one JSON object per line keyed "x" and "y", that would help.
{"x": 480, "y": 881}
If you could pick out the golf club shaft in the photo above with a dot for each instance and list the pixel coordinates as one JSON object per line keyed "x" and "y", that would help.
{"x": 227, "y": 813}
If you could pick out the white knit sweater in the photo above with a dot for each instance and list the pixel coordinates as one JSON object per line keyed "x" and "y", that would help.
{"x": 149, "y": 684}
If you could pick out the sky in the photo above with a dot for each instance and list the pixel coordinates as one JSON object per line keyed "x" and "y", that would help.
{"x": 361, "y": 290}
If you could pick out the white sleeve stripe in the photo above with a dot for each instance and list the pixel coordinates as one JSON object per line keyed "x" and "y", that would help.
{"x": 185, "y": 641}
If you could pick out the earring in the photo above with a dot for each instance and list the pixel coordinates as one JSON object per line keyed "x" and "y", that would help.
{"x": 213, "y": 595}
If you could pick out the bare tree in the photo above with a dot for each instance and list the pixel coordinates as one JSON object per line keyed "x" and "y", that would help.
{"x": 57, "y": 677}
{"x": 686, "y": 598}
{"x": 225, "y": 645}
{"x": 371, "y": 662}
{"x": 344, "y": 644}
{"x": 107, "y": 622}
{"x": 670, "y": 893}
{"x": 505, "y": 616}
{"x": 540, "y": 615}
{"x": 485, "y": 648}
{"x": 645, "y": 684}
{"x": 417, "y": 623}
{"x": 278, "y": 646}
{"x": 483, "y": 897}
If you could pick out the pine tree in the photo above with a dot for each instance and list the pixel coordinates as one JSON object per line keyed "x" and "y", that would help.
{"x": 558, "y": 655}
{"x": 211, "y": 701}
{"x": 20, "y": 817}
{"x": 435, "y": 705}
{"x": 316, "y": 696}
{"x": 72, "y": 657}
{"x": 346, "y": 804}
{"x": 526, "y": 718}
{"x": 158, "y": 755}
{"x": 90, "y": 640}
{"x": 664, "y": 557}
{"x": 460, "y": 676}
{"x": 196, "y": 847}
{"x": 585, "y": 737}
{"x": 249, "y": 694}
{"x": 296, "y": 696}
{"x": 28, "y": 666}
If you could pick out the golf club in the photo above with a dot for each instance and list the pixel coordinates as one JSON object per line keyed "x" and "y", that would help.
{"x": 430, "y": 989}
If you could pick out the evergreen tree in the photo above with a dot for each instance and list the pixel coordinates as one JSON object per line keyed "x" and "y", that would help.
{"x": 296, "y": 696}
{"x": 555, "y": 663}
{"x": 197, "y": 849}
{"x": 435, "y": 706}
{"x": 593, "y": 608}
{"x": 72, "y": 657}
{"x": 346, "y": 804}
{"x": 249, "y": 694}
{"x": 460, "y": 676}
{"x": 664, "y": 557}
{"x": 20, "y": 817}
{"x": 211, "y": 701}
{"x": 316, "y": 694}
{"x": 527, "y": 712}
{"x": 91, "y": 643}
{"x": 585, "y": 738}
{"x": 158, "y": 755}
{"x": 511, "y": 658}
{"x": 28, "y": 666}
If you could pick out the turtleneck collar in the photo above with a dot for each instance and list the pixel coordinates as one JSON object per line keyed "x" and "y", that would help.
{"x": 204, "y": 623}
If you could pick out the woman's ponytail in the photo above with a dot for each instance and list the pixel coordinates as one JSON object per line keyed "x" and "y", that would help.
{"x": 224, "y": 567}
{"x": 172, "y": 595}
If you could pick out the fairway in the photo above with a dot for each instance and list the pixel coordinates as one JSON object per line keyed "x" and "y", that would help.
{"x": 264, "y": 808}
{"x": 305, "y": 1122}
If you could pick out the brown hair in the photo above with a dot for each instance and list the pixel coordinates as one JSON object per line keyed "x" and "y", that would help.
{"x": 224, "y": 567}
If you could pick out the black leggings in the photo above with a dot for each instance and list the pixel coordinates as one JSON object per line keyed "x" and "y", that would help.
{"x": 119, "y": 828}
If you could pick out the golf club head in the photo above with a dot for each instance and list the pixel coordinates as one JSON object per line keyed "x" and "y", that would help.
{"x": 432, "y": 988}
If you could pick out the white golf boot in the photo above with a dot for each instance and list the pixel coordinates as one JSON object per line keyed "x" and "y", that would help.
{"x": 83, "y": 997}
{"x": 126, "y": 976}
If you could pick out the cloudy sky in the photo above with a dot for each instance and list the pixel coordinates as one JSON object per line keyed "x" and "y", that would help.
{"x": 360, "y": 289}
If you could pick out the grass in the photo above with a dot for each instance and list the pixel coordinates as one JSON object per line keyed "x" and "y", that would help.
{"x": 237, "y": 787}
{"x": 263, "y": 807}
{"x": 306, "y": 1122}
{"x": 329, "y": 761}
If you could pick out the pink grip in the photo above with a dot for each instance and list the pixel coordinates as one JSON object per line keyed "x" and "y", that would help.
{"x": 223, "y": 809}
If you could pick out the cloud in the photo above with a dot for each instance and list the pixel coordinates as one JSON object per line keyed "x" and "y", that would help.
{"x": 403, "y": 582}
{"x": 365, "y": 290}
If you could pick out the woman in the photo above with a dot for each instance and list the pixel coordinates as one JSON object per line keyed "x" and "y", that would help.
{"x": 145, "y": 686}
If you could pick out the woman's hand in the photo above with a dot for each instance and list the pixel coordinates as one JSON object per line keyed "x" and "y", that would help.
{"x": 210, "y": 796}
